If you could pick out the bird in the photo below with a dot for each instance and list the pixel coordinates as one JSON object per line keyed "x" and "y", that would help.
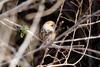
{"x": 48, "y": 33}
{"x": 47, "y": 29}
{"x": 48, "y": 36}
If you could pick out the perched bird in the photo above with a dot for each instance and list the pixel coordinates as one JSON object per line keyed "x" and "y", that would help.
{"x": 48, "y": 33}
{"x": 47, "y": 29}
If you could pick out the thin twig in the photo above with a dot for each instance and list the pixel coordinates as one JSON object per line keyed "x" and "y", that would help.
{"x": 76, "y": 25}
{"x": 78, "y": 39}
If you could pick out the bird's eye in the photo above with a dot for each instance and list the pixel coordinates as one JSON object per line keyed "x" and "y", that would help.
{"x": 52, "y": 25}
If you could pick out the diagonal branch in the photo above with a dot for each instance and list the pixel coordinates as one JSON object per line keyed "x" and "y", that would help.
{"x": 27, "y": 40}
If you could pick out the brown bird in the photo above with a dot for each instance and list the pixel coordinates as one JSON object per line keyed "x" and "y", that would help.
{"x": 48, "y": 33}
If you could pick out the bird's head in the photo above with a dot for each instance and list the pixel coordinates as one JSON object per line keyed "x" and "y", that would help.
{"x": 49, "y": 26}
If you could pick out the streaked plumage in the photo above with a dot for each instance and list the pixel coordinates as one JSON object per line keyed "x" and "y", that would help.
{"x": 48, "y": 33}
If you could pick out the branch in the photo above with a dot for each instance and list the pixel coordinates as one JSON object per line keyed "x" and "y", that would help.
{"x": 27, "y": 40}
{"x": 76, "y": 25}
{"x": 25, "y": 5}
